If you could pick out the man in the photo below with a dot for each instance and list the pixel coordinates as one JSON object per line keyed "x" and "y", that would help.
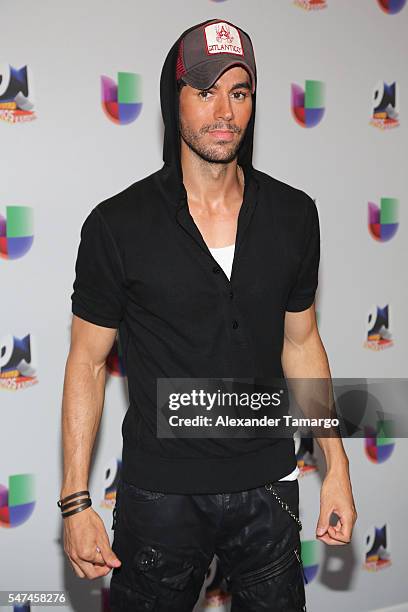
{"x": 147, "y": 266}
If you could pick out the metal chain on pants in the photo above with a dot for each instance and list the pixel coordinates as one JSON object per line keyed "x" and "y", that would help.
{"x": 269, "y": 486}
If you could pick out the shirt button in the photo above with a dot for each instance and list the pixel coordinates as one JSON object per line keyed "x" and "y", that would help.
{"x": 231, "y": 294}
{"x": 216, "y": 269}
{"x": 235, "y": 324}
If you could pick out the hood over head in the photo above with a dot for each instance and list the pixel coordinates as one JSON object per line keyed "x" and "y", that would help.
{"x": 170, "y": 112}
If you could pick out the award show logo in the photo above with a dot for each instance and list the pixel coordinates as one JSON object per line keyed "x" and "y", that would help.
{"x": 16, "y": 105}
{"x": 385, "y": 106}
{"x": 391, "y": 7}
{"x": 16, "y": 231}
{"x": 110, "y": 483}
{"x": 311, "y": 5}
{"x": 122, "y": 102}
{"x": 310, "y": 558}
{"x": 377, "y": 556}
{"x": 378, "y": 332}
{"x": 18, "y": 501}
{"x": 306, "y": 460}
{"x": 308, "y": 104}
{"x": 215, "y": 587}
{"x": 115, "y": 362}
{"x": 383, "y": 219}
{"x": 17, "y": 363}
{"x": 379, "y": 442}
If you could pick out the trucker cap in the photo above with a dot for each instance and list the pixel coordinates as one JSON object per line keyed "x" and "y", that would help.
{"x": 209, "y": 49}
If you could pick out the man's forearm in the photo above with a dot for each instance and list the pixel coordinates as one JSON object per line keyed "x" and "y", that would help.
{"x": 308, "y": 360}
{"x": 82, "y": 406}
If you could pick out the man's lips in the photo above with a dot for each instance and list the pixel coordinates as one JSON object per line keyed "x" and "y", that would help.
{"x": 223, "y": 134}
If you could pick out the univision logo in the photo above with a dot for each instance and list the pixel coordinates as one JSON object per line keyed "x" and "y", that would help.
{"x": 122, "y": 101}
{"x": 391, "y": 7}
{"x": 383, "y": 219}
{"x": 379, "y": 442}
{"x": 308, "y": 103}
{"x": 16, "y": 231}
{"x": 310, "y": 558}
{"x": 18, "y": 501}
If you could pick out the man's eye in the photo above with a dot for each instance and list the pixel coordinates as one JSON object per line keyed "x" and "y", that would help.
{"x": 236, "y": 94}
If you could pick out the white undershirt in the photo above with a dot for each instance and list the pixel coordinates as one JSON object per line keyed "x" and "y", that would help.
{"x": 225, "y": 256}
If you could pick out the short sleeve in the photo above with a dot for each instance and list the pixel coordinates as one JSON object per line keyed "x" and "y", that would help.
{"x": 303, "y": 291}
{"x": 99, "y": 294}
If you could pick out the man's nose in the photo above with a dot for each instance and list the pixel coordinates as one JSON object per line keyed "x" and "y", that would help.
{"x": 223, "y": 108}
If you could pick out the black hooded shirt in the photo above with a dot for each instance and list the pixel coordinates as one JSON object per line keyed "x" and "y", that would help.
{"x": 144, "y": 268}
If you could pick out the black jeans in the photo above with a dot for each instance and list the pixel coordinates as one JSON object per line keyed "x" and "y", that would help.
{"x": 166, "y": 543}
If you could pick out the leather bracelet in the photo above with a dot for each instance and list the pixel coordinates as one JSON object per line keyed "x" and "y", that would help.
{"x": 79, "y": 509}
{"x": 64, "y": 499}
{"x": 73, "y": 503}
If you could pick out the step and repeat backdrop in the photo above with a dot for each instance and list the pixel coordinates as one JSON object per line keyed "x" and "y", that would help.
{"x": 331, "y": 120}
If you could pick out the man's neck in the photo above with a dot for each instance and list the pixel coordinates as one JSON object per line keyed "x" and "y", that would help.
{"x": 211, "y": 184}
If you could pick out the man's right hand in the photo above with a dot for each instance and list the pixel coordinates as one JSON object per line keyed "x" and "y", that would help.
{"x": 83, "y": 533}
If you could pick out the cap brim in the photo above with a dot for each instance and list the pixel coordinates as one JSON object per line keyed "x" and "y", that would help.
{"x": 207, "y": 73}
